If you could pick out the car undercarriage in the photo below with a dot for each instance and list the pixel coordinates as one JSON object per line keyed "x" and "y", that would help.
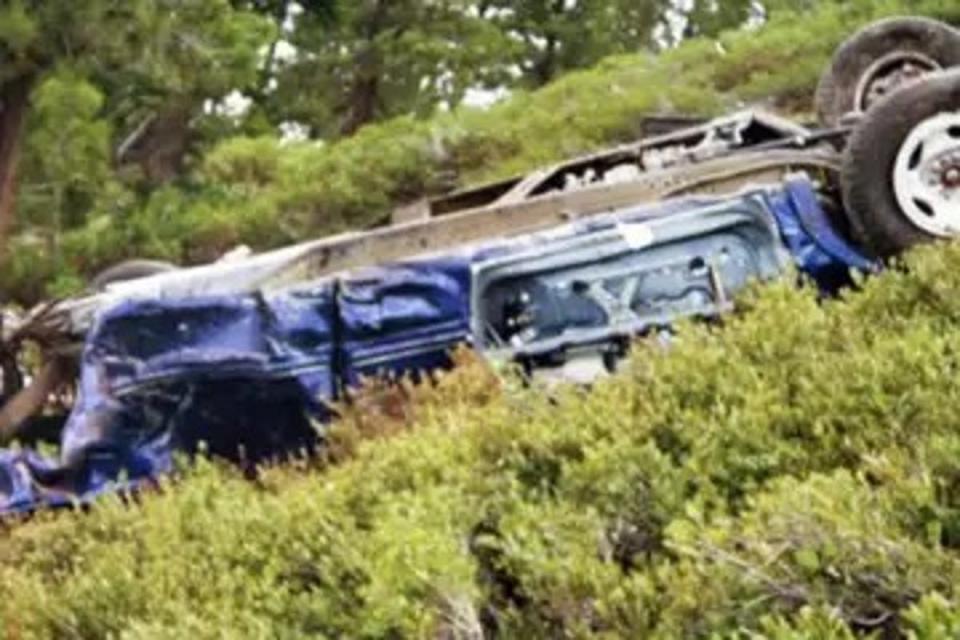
{"x": 556, "y": 271}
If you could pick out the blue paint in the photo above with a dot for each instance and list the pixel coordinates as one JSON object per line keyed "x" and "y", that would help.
{"x": 817, "y": 249}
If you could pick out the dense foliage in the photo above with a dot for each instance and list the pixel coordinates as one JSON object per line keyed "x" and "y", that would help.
{"x": 791, "y": 474}
{"x": 263, "y": 192}
{"x": 73, "y": 72}
{"x": 103, "y": 103}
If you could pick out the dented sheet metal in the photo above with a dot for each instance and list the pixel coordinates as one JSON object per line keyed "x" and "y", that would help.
{"x": 239, "y": 374}
{"x": 251, "y": 376}
{"x": 403, "y": 318}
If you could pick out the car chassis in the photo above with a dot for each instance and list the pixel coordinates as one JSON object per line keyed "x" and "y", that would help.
{"x": 557, "y": 271}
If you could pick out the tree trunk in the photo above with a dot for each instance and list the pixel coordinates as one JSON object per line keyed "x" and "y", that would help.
{"x": 160, "y": 144}
{"x": 364, "y": 95}
{"x": 545, "y": 67}
{"x": 14, "y": 104}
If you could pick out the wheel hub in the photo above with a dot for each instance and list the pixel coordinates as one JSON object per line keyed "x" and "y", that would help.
{"x": 926, "y": 175}
{"x": 889, "y": 73}
{"x": 951, "y": 177}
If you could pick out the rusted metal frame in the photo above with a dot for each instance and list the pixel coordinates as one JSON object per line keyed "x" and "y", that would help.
{"x": 326, "y": 256}
{"x": 518, "y": 188}
{"x": 721, "y": 175}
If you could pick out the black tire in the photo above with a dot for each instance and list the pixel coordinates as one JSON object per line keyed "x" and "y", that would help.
{"x": 129, "y": 270}
{"x": 837, "y": 93}
{"x": 867, "y": 175}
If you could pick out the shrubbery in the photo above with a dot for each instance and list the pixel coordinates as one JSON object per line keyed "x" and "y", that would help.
{"x": 258, "y": 192}
{"x": 794, "y": 473}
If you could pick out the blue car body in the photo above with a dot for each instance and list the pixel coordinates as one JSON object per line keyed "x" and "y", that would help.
{"x": 250, "y": 376}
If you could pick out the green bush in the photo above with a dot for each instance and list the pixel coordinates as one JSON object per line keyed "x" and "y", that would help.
{"x": 793, "y": 473}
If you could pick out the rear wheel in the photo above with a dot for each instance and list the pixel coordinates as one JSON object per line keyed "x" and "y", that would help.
{"x": 901, "y": 167}
{"x": 881, "y": 58}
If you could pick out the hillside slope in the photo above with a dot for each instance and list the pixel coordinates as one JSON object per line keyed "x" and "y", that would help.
{"x": 795, "y": 473}
{"x": 257, "y": 192}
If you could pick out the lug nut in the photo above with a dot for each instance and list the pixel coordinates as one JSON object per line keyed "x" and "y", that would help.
{"x": 951, "y": 178}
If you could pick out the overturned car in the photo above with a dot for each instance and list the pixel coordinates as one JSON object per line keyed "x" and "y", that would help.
{"x": 556, "y": 271}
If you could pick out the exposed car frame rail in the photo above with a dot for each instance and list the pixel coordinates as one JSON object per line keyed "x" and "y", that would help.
{"x": 330, "y": 255}
{"x": 721, "y": 175}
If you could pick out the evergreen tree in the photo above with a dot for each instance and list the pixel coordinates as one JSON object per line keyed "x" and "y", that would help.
{"x": 161, "y": 56}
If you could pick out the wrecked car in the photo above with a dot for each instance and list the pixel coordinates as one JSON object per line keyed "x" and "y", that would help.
{"x": 556, "y": 271}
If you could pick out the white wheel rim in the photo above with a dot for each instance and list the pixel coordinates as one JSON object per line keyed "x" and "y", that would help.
{"x": 926, "y": 175}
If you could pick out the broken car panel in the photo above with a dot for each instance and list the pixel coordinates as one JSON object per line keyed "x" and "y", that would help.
{"x": 250, "y": 376}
